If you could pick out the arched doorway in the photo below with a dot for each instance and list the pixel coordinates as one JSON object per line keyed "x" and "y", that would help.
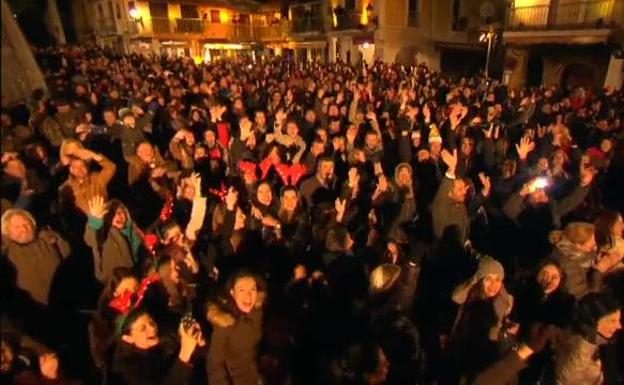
{"x": 577, "y": 75}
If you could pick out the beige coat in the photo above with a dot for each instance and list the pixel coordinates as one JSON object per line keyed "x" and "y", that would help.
{"x": 95, "y": 184}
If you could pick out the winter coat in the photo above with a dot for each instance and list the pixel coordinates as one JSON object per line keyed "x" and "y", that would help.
{"x": 116, "y": 248}
{"x": 232, "y": 358}
{"x": 576, "y": 266}
{"x": 502, "y": 372}
{"x": 95, "y": 184}
{"x": 534, "y": 306}
{"x": 447, "y": 213}
{"x": 133, "y": 366}
{"x": 36, "y": 263}
{"x": 577, "y": 361}
{"x": 396, "y": 332}
{"x": 130, "y": 137}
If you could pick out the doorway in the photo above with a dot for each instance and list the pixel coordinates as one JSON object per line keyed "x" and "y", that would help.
{"x": 535, "y": 70}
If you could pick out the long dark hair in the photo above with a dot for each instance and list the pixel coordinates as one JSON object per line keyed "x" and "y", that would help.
{"x": 588, "y": 312}
{"x": 102, "y": 233}
{"x": 602, "y": 228}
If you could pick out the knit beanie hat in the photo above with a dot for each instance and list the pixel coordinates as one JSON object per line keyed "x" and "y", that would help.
{"x": 489, "y": 266}
{"x": 125, "y": 112}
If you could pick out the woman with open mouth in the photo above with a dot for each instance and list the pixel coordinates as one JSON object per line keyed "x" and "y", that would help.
{"x": 237, "y": 329}
{"x": 141, "y": 357}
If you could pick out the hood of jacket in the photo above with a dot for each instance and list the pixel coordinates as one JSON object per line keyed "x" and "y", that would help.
{"x": 223, "y": 312}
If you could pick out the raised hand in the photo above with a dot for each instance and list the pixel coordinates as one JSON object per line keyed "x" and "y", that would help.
{"x": 340, "y": 205}
{"x": 487, "y": 185}
{"x": 371, "y": 115}
{"x": 231, "y": 199}
{"x": 190, "y": 338}
{"x": 394, "y": 252}
{"x": 49, "y": 365}
{"x": 352, "y": 134}
{"x": 525, "y": 146}
{"x": 450, "y": 159}
{"x": 427, "y": 113}
{"x": 245, "y": 128}
{"x": 354, "y": 177}
{"x": 158, "y": 172}
{"x": 300, "y": 272}
{"x": 195, "y": 180}
{"x": 83, "y": 154}
{"x": 372, "y": 217}
{"x": 191, "y": 263}
{"x": 382, "y": 185}
{"x": 255, "y": 212}
{"x": 488, "y": 131}
{"x": 97, "y": 207}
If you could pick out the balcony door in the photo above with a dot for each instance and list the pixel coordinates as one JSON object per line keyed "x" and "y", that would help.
{"x": 189, "y": 11}
{"x": 160, "y": 17}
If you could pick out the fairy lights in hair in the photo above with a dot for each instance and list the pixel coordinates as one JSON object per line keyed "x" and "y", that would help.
{"x": 220, "y": 193}
{"x": 124, "y": 304}
{"x": 167, "y": 210}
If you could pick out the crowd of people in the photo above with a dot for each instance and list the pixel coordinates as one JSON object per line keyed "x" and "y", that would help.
{"x": 277, "y": 222}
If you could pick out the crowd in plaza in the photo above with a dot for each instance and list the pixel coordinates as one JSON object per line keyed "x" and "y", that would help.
{"x": 269, "y": 221}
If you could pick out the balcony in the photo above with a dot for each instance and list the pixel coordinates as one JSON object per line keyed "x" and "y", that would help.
{"x": 592, "y": 14}
{"x": 306, "y": 24}
{"x": 587, "y": 22}
{"x": 348, "y": 20}
{"x": 183, "y": 28}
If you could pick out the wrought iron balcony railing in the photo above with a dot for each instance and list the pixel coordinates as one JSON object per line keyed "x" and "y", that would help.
{"x": 313, "y": 23}
{"x": 200, "y": 28}
{"x": 591, "y": 14}
{"x": 346, "y": 20}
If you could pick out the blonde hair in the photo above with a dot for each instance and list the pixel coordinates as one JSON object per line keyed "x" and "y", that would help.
{"x": 64, "y": 151}
{"x": 10, "y": 213}
{"x": 578, "y": 232}
{"x": 383, "y": 277}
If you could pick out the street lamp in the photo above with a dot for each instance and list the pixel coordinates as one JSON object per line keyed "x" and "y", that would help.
{"x": 135, "y": 14}
{"x": 488, "y": 36}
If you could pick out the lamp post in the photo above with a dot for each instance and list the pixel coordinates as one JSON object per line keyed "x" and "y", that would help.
{"x": 135, "y": 15}
{"x": 488, "y": 36}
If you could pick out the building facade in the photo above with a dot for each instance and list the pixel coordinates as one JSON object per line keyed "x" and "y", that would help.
{"x": 555, "y": 42}
{"x": 405, "y": 31}
{"x": 204, "y": 30}
{"x": 564, "y": 43}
